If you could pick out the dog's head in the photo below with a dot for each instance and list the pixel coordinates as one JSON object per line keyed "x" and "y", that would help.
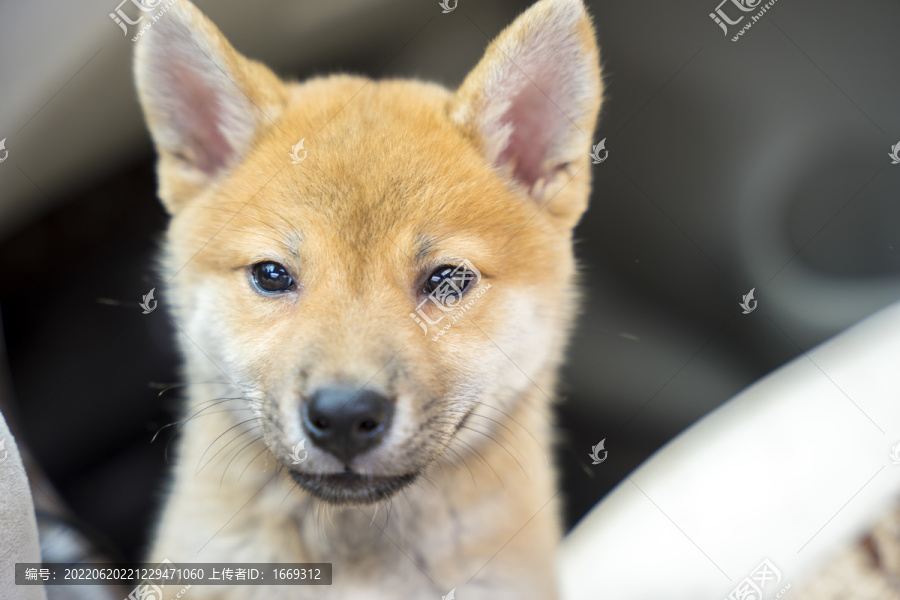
{"x": 388, "y": 289}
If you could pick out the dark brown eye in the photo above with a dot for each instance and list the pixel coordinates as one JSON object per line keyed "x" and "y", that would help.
{"x": 271, "y": 277}
{"x": 448, "y": 282}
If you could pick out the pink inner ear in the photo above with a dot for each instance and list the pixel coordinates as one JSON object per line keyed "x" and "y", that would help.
{"x": 535, "y": 120}
{"x": 198, "y": 114}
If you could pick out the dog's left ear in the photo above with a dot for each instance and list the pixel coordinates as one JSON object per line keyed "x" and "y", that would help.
{"x": 531, "y": 104}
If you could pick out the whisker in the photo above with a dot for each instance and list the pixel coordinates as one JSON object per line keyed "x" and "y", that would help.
{"x": 171, "y": 386}
{"x": 265, "y": 448}
{"x": 428, "y": 479}
{"x": 478, "y": 454}
{"x": 502, "y": 445}
{"x": 202, "y": 402}
{"x": 217, "y": 439}
{"x": 238, "y": 453}
{"x": 184, "y": 421}
{"x": 390, "y": 509}
{"x": 510, "y": 418}
{"x": 233, "y": 440}
{"x": 169, "y": 442}
{"x": 465, "y": 463}
{"x": 291, "y": 490}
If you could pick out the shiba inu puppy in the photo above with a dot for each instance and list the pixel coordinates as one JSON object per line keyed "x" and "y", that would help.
{"x": 371, "y": 320}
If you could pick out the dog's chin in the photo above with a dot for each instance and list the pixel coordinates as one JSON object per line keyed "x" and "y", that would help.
{"x": 350, "y": 487}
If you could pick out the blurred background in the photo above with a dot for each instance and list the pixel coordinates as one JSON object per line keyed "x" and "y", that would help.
{"x": 757, "y": 164}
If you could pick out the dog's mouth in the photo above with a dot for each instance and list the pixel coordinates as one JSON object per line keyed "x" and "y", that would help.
{"x": 350, "y": 487}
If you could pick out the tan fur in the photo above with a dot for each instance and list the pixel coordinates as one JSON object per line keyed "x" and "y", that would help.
{"x": 399, "y": 178}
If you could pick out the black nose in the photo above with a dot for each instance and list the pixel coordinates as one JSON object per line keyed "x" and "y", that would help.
{"x": 346, "y": 421}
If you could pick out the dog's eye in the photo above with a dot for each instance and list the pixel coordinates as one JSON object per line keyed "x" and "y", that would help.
{"x": 271, "y": 277}
{"x": 449, "y": 281}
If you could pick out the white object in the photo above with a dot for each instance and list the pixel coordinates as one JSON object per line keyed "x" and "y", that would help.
{"x": 790, "y": 470}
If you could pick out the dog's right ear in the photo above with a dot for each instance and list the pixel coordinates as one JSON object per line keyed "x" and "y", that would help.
{"x": 204, "y": 103}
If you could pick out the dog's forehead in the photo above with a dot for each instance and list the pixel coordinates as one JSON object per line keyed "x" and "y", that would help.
{"x": 387, "y": 166}
{"x": 345, "y": 116}
{"x": 406, "y": 217}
